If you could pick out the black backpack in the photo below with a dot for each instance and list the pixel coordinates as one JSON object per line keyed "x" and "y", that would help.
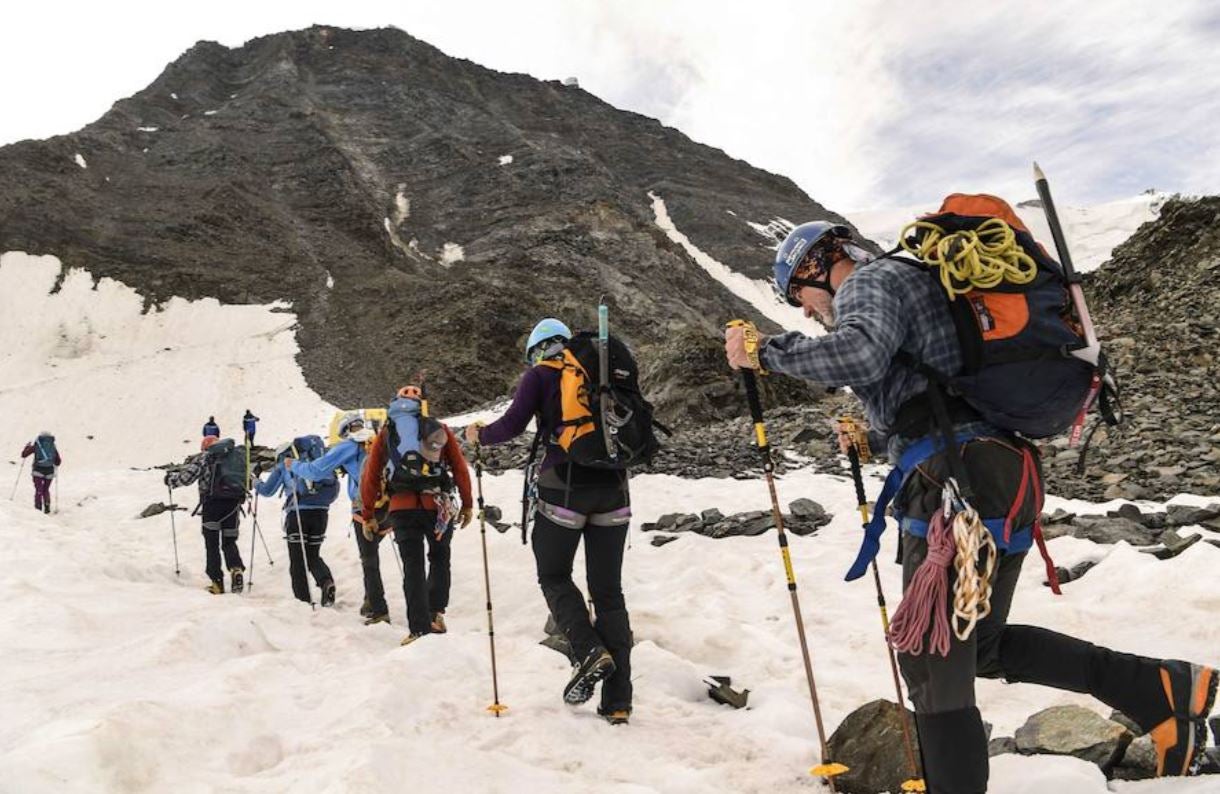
{"x": 1016, "y": 339}
{"x": 620, "y": 436}
{"x": 228, "y": 473}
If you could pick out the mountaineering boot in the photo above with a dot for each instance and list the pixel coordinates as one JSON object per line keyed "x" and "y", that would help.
{"x": 438, "y": 623}
{"x": 328, "y": 594}
{"x": 216, "y": 587}
{"x": 616, "y": 717}
{"x": 237, "y": 580}
{"x": 410, "y": 638}
{"x": 376, "y": 618}
{"x": 1181, "y": 739}
{"x": 954, "y": 747}
{"x": 596, "y": 665}
{"x": 366, "y": 608}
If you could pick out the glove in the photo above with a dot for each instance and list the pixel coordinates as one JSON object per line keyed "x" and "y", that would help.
{"x": 741, "y": 345}
{"x": 165, "y": 479}
{"x": 257, "y": 469}
{"x": 472, "y": 432}
{"x": 368, "y": 528}
{"x": 464, "y": 516}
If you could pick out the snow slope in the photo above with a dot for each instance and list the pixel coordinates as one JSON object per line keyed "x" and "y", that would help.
{"x": 1091, "y": 232}
{"x": 123, "y": 387}
{"x": 121, "y": 677}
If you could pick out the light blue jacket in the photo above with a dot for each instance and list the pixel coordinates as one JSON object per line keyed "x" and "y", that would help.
{"x": 319, "y": 498}
{"x": 348, "y": 455}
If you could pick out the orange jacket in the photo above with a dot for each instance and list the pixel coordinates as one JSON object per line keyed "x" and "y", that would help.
{"x": 372, "y": 480}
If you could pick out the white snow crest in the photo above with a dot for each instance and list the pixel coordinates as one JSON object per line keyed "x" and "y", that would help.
{"x": 79, "y": 159}
{"x": 1092, "y": 232}
{"x": 506, "y": 159}
{"x": 756, "y": 292}
{"x": 147, "y": 129}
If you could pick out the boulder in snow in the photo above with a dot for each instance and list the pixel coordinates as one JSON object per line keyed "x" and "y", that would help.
{"x": 1074, "y": 731}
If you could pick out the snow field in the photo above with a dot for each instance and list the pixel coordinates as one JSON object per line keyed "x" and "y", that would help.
{"x": 121, "y": 677}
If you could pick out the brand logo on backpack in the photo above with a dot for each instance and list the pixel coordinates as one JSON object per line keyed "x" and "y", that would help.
{"x": 1012, "y": 312}
{"x": 415, "y": 445}
{"x": 627, "y": 421}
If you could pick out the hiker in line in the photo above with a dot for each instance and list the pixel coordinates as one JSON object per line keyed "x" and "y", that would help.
{"x": 249, "y": 424}
{"x": 43, "y": 468}
{"x": 415, "y": 463}
{"x": 210, "y": 428}
{"x": 306, "y": 512}
{"x": 349, "y": 457}
{"x": 220, "y": 469}
{"x": 574, "y": 502}
{"x": 881, "y": 314}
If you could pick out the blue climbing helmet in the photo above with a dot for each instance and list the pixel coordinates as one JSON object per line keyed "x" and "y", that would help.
{"x": 545, "y": 331}
{"x": 807, "y": 243}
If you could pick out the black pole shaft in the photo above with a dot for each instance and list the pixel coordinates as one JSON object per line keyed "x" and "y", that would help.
{"x": 760, "y": 433}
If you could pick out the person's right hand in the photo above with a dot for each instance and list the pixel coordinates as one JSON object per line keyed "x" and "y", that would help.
{"x": 368, "y": 528}
{"x": 472, "y": 432}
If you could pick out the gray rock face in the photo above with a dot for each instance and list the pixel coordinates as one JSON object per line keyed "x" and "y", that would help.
{"x": 1001, "y": 745}
{"x": 869, "y": 741}
{"x": 1105, "y": 530}
{"x": 1074, "y": 731}
{"x": 358, "y": 174}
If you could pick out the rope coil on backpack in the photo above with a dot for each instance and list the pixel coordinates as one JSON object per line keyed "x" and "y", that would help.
{"x": 980, "y": 258}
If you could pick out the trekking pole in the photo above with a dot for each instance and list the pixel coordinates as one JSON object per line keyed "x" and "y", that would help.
{"x": 856, "y": 442}
{"x": 296, "y": 507}
{"x": 826, "y": 769}
{"x": 173, "y": 529}
{"x": 17, "y": 481}
{"x": 253, "y": 532}
{"x": 496, "y": 707}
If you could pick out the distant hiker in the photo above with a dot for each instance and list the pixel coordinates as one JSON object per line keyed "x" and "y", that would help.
{"x": 573, "y": 502}
{"x": 349, "y": 457}
{"x": 889, "y": 328}
{"x": 210, "y": 428}
{"x": 415, "y": 463}
{"x": 46, "y": 463}
{"x": 220, "y": 469}
{"x": 249, "y": 424}
{"x": 306, "y": 505}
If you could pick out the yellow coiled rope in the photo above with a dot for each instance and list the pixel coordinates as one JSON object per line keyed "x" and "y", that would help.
{"x": 981, "y": 258}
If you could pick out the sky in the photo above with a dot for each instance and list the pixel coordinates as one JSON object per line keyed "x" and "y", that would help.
{"x": 864, "y": 104}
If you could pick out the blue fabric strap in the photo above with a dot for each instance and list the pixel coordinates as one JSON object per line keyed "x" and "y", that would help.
{"x": 912, "y": 456}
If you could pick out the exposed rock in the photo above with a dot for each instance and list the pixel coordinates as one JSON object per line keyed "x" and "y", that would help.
{"x": 870, "y": 742}
{"x": 1172, "y": 545}
{"x": 1188, "y": 515}
{"x": 1074, "y": 731}
{"x": 661, "y": 540}
{"x": 1001, "y": 745}
{"x": 1139, "y": 760}
{"x": 1105, "y": 530}
{"x": 1126, "y": 722}
{"x": 713, "y": 524}
{"x": 157, "y": 508}
{"x": 1075, "y": 572}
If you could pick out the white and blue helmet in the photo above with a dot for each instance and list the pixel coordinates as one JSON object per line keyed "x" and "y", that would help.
{"x": 545, "y": 331}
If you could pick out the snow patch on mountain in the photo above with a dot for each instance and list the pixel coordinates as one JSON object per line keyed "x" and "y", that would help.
{"x": 122, "y": 386}
{"x": 757, "y": 292}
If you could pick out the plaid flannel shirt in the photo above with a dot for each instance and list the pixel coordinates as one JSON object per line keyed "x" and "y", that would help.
{"x": 881, "y": 308}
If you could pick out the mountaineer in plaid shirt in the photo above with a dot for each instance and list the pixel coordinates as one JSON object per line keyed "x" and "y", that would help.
{"x": 875, "y": 310}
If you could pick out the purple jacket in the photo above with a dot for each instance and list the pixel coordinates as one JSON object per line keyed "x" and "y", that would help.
{"x": 537, "y": 396}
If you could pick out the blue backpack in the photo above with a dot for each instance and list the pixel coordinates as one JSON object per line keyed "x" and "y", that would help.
{"x": 44, "y": 452}
{"x": 414, "y": 443}
{"x": 313, "y": 492}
